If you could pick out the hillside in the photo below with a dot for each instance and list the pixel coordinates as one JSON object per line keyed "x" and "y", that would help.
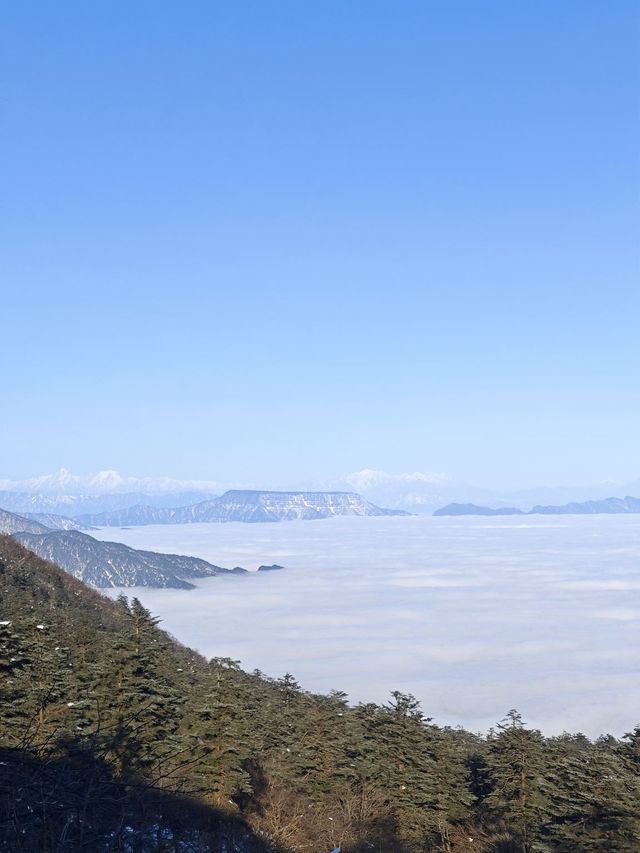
{"x": 12, "y": 523}
{"x": 71, "y": 773}
{"x": 115, "y": 737}
{"x": 104, "y": 564}
{"x": 109, "y": 564}
{"x": 53, "y": 521}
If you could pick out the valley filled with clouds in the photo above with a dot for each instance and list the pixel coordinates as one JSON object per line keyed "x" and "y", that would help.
{"x": 474, "y": 616}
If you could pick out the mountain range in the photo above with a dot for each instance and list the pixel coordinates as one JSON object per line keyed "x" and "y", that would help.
{"x": 109, "y": 564}
{"x": 27, "y": 503}
{"x": 609, "y": 506}
{"x": 64, "y": 482}
{"x": 71, "y": 494}
{"x": 423, "y": 492}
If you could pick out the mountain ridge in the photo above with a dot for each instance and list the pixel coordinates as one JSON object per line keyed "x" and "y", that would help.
{"x": 112, "y": 564}
{"x": 607, "y": 506}
{"x": 11, "y": 522}
{"x": 423, "y": 492}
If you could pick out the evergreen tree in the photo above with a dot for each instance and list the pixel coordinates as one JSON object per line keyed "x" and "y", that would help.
{"x": 594, "y": 807}
{"x": 15, "y": 665}
{"x": 141, "y": 706}
{"x": 520, "y": 793}
{"x": 222, "y": 736}
{"x": 103, "y": 718}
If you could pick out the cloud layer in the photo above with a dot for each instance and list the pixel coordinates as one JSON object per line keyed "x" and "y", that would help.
{"x": 472, "y": 616}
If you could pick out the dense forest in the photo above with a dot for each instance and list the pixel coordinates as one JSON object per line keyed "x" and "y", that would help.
{"x": 114, "y": 737}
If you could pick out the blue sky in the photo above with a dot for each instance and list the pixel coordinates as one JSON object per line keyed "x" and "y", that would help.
{"x": 272, "y": 241}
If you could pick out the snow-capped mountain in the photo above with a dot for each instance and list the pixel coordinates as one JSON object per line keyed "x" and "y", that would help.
{"x": 69, "y": 494}
{"x": 371, "y": 478}
{"x": 416, "y": 491}
{"x": 244, "y": 505}
{"x": 72, "y": 505}
{"x": 424, "y": 492}
{"x": 64, "y": 493}
{"x": 64, "y": 482}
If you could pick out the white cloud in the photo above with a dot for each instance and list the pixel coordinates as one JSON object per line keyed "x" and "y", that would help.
{"x": 471, "y": 618}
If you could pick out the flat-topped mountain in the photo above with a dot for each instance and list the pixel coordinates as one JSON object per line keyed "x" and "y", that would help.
{"x": 108, "y": 564}
{"x": 248, "y": 506}
{"x": 608, "y": 506}
{"x": 241, "y": 505}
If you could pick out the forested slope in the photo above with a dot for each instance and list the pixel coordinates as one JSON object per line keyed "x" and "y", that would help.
{"x": 116, "y": 738}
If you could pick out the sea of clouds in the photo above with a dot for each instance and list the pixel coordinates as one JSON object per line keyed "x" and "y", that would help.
{"x": 474, "y": 616}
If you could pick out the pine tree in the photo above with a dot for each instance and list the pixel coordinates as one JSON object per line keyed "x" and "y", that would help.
{"x": 594, "y": 807}
{"x": 15, "y": 665}
{"x": 222, "y": 736}
{"x": 141, "y": 706}
{"x": 520, "y": 793}
{"x": 629, "y": 751}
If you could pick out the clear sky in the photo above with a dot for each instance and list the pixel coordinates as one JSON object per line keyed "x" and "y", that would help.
{"x": 268, "y": 241}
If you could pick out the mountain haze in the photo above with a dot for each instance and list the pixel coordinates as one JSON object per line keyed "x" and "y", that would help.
{"x": 608, "y": 506}
{"x": 70, "y": 494}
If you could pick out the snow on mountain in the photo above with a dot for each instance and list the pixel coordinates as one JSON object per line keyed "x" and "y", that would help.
{"x": 424, "y": 492}
{"x": 11, "y": 523}
{"x": 371, "y": 478}
{"x": 417, "y": 491}
{"x": 70, "y": 494}
{"x": 109, "y": 564}
{"x": 53, "y": 521}
{"x": 64, "y": 482}
{"x": 243, "y": 505}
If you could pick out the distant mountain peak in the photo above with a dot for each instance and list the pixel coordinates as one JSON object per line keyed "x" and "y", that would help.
{"x": 108, "y": 481}
{"x": 369, "y": 478}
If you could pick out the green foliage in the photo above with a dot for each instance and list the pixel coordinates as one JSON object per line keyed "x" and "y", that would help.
{"x": 520, "y": 794}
